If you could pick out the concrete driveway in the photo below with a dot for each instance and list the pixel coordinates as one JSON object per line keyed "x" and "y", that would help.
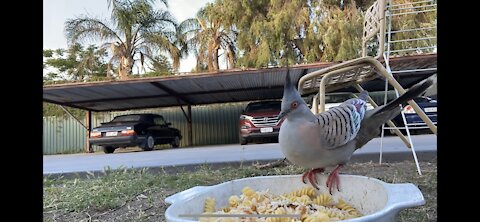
{"x": 53, "y": 164}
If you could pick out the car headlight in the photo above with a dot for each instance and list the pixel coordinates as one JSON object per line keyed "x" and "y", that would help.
{"x": 408, "y": 109}
{"x": 246, "y": 117}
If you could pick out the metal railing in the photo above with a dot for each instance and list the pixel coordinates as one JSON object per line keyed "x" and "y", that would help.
{"x": 392, "y": 10}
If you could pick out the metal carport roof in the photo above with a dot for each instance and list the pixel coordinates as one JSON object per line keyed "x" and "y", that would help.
{"x": 214, "y": 87}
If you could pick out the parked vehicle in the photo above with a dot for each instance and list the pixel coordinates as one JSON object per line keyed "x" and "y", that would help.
{"x": 144, "y": 130}
{"x": 260, "y": 120}
{"x": 335, "y": 99}
{"x": 414, "y": 122}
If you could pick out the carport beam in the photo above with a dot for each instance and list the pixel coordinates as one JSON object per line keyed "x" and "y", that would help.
{"x": 188, "y": 116}
{"x": 190, "y": 136}
{"x": 88, "y": 120}
{"x": 71, "y": 115}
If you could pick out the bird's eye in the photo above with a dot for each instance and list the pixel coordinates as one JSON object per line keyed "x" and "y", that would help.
{"x": 294, "y": 105}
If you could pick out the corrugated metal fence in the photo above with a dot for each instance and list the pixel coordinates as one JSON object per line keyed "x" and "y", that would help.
{"x": 62, "y": 135}
{"x": 211, "y": 124}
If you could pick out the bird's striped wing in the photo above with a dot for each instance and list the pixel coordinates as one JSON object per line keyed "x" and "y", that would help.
{"x": 340, "y": 124}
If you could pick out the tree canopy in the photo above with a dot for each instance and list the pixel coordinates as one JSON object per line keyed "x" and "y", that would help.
{"x": 265, "y": 33}
{"x": 80, "y": 64}
{"x": 75, "y": 63}
{"x": 135, "y": 32}
{"x": 247, "y": 33}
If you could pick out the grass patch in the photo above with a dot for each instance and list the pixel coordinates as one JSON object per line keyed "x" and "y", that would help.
{"x": 138, "y": 194}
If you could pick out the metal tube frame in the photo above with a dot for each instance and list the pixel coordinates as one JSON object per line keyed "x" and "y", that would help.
{"x": 387, "y": 66}
{"x": 411, "y": 40}
{"x": 414, "y": 7}
{"x": 413, "y": 49}
{"x": 403, "y": 116}
{"x": 411, "y": 30}
{"x": 415, "y": 12}
{"x": 327, "y": 73}
{"x": 417, "y": 2}
{"x": 414, "y": 70}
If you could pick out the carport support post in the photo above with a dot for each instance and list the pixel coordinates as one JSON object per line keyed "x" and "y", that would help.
{"x": 190, "y": 136}
{"x": 88, "y": 121}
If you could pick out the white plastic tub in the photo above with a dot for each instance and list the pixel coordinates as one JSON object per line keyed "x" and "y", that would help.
{"x": 377, "y": 200}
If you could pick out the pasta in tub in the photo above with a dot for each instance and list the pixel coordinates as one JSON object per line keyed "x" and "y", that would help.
{"x": 303, "y": 205}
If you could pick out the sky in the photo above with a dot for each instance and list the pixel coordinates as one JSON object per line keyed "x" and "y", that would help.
{"x": 56, "y": 12}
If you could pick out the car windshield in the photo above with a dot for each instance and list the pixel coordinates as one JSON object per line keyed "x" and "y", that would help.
{"x": 264, "y": 106}
{"x": 338, "y": 98}
{"x": 126, "y": 118}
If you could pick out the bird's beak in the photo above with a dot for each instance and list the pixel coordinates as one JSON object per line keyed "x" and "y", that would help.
{"x": 283, "y": 113}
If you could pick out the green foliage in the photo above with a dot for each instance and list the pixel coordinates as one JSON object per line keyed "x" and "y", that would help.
{"x": 159, "y": 66}
{"x": 246, "y": 33}
{"x": 75, "y": 63}
{"x": 270, "y": 31}
{"x": 78, "y": 64}
{"x": 50, "y": 109}
{"x": 106, "y": 192}
{"x": 206, "y": 35}
{"x": 341, "y": 33}
{"x": 136, "y": 30}
{"x": 267, "y": 32}
{"x": 412, "y": 21}
{"x": 113, "y": 188}
{"x": 48, "y": 53}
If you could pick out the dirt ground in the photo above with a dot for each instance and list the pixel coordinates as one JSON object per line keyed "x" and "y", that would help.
{"x": 149, "y": 205}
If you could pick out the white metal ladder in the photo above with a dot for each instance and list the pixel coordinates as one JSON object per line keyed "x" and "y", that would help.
{"x": 393, "y": 10}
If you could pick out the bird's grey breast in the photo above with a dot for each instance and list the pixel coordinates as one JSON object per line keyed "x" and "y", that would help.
{"x": 299, "y": 141}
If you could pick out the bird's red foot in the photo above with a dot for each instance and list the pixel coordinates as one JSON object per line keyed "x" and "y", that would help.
{"x": 312, "y": 177}
{"x": 333, "y": 178}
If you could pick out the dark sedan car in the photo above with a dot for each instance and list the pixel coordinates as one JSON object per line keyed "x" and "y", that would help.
{"x": 414, "y": 122}
{"x": 144, "y": 130}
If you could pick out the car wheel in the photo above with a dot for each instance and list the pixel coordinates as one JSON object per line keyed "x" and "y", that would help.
{"x": 243, "y": 141}
{"x": 176, "y": 142}
{"x": 149, "y": 143}
{"x": 108, "y": 149}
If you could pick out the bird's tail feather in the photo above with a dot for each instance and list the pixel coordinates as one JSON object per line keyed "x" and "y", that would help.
{"x": 414, "y": 91}
{"x": 374, "y": 118}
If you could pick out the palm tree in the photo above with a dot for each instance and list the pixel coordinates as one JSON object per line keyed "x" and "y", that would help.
{"x": 136, "y": 31}
{"x": 205, "y": 35}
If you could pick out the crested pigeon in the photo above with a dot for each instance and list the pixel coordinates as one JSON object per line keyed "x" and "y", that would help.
{"x": 329, "y": 139}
